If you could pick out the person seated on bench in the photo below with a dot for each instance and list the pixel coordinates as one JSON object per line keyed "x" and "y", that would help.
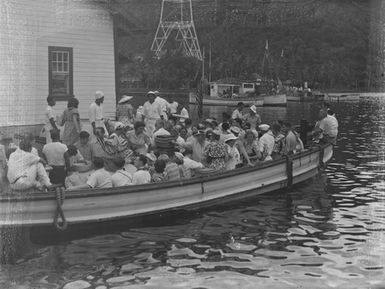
{"x": 121, "y": 177}
{"x": 25, "y": 170}
{"x": 75, "y": 179}
{"x": 141, "y": 176}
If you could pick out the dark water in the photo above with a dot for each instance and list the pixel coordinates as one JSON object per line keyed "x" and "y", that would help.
{"x": 325, "y": 233}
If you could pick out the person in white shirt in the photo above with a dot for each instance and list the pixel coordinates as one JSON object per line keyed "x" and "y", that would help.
{"x": 141, "y": 176}
{"x": 327, "y": 127}
{"x": 95, "y": 112}
{"x": 121, "y": 177}
{"x": 266, "y": 142}
{"x": 152, "y": 112}
{"x": 163, "y": 104}
{"x": 172, "y": 106}
{"x": 25, "y": 170}
{"x": 50, "y": 119}
{"x": 237, "y": 113}
{"x": 100, "y": 178}
{"x": 58, "y": 158}
{"x": 233, "y": 155}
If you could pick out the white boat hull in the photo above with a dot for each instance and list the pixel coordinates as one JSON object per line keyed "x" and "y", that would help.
{"x": 97, "y": 205}
{"x": 218, "y": 101}
{"x": 275, "y": 100}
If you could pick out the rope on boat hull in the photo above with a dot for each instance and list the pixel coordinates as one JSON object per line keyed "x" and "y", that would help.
{"x": 321, "y": 157}
{"x": 60, "y": 196}
{"x": 289, "y": 170}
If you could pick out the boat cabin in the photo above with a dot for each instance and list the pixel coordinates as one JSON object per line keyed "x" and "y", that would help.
{"x": 224, "y": 90}
{"x": 231, "y": 90}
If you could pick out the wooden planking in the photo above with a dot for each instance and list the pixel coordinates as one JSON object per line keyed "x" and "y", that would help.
{"x": 27, "y": 28}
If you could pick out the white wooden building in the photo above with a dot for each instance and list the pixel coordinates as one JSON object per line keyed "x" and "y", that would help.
{"x": 62, "y": 48}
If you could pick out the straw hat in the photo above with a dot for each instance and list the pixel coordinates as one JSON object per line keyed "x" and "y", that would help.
{"x": 125, "y": 98}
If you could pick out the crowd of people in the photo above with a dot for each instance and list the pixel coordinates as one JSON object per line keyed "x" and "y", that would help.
{"x": 150, "y": 144}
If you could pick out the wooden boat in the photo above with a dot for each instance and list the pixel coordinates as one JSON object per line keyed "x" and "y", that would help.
{"x": 221, "y": 101}
{"x": 92, "y": 206}
{"x": 275, "y": 100}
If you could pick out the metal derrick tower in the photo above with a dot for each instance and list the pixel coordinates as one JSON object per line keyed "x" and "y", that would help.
{"x": 177, "y": 15}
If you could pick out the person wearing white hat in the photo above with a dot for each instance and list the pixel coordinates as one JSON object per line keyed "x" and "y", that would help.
{"x": 233, "y": 155}
{"x": 125, "y": 111}
{"x": 152, "y": 111}
{"x": 197, "y": 144}
{"x": 253, "y": 117}
{"x": 266, "y": 142}
{"x": 95, "y": 112}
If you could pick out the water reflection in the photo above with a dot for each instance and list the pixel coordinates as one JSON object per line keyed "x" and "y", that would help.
{"x": 326, "y": 233}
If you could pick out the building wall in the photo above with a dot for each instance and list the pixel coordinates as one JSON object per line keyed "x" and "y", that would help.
{"x": 27, "y": 28}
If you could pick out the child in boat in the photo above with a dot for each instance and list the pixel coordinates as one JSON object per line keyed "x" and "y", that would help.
{"x": 75, "y": 179}
{"x": 185, "y": 173}
{"x": 141, "y": 176}
{"x": 171, "y": 171}
{"x": 84, "y": 146}
{"x": 158, "y": 175}
{"x": 121, "y": 177}
{"x": 75, "y": 156}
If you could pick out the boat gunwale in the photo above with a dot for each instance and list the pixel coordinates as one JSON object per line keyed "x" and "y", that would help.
{"x": 84, "y": 193}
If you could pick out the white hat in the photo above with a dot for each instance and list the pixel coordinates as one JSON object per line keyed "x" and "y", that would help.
{"x": 151, "y": 92}
{"x": 156, "y": 92}
{"x": 99, "y": 94}
{"x": 253, "y": 108}
{"x": 125, "y": 98}
{"x": 264, "y": 127}
{"x": 118, "y": 125}
{"x": 179, "y": 155}
{"x": 230, "y": 137}
{"x": 217, "y": 132}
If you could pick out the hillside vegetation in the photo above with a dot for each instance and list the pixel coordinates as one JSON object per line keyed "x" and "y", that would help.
{"x": 325, "y": 43}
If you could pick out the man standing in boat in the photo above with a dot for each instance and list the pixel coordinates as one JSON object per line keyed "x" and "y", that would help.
{"x": 50, "y": 119}
{"x": 152, "y": 111}
{"x": 96, "y": 112}
{"x": 237, "y": 113}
